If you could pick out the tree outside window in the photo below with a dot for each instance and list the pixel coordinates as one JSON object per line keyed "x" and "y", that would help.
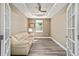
{"x": 39, "y": 25}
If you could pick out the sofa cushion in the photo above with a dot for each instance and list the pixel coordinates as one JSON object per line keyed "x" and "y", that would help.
{"x": 20, "y": 36}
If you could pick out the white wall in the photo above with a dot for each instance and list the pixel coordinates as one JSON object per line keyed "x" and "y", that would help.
{"x": 58, "y": 27}
{"x": 18, "y": 22}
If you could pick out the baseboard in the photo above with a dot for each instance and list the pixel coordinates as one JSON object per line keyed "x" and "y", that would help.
{"x": 58, "y": 43}
{"x": 54, "y": 41}
{"x": 42, "y": 37}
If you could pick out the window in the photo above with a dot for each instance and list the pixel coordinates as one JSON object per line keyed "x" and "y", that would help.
{"x": 39, "y": 25}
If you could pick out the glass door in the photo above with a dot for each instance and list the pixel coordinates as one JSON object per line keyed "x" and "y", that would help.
{"x": 5, "y": 25}
{"x": 7, "y": 29}
{"x": 71, "y": 29}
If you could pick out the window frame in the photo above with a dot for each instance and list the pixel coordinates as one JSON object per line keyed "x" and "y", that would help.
{"x": 35, "y": 26}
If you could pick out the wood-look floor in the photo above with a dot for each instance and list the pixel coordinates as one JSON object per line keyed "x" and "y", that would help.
{"x": 46, "y": 47}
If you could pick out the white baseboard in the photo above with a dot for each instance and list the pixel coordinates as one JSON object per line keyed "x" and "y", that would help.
{"x": 58, "y": 43}
{"x": 42, "y": 37}
{"x": 54, "y": 41}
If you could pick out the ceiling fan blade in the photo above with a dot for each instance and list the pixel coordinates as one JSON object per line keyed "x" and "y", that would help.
{"x": 39, "y": 7}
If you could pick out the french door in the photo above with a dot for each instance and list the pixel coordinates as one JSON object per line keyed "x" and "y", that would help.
{"x": 71, "y": 30}
{"x": 5, "y": 29}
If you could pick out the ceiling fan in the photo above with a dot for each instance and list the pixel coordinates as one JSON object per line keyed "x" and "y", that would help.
{"x": 39, "y": 8}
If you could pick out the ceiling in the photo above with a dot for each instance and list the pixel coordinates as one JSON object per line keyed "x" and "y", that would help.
{"x": 34, "y": 8}
{"x": 31, "y": 10}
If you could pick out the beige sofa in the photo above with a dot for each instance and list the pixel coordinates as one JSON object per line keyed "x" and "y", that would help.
{"x": 21, "y": 43}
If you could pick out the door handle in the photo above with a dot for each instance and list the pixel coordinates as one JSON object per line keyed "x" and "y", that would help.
{"x": 10, "y": 37}
{"x": 66, "y": 36}
{"x": 1, "y": 37}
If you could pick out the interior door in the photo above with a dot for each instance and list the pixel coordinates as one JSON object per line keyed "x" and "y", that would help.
{"x": 5, "y": 22}
{"x": 7, "y": 29}
{"x": 71, "y": 30}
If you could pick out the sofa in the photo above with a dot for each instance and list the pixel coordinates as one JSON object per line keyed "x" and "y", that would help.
{"x": 21, "y": 43}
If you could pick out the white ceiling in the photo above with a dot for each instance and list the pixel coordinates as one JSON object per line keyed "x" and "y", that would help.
{"x": 30, "y": 10}
{"x": 33, "y": 8}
